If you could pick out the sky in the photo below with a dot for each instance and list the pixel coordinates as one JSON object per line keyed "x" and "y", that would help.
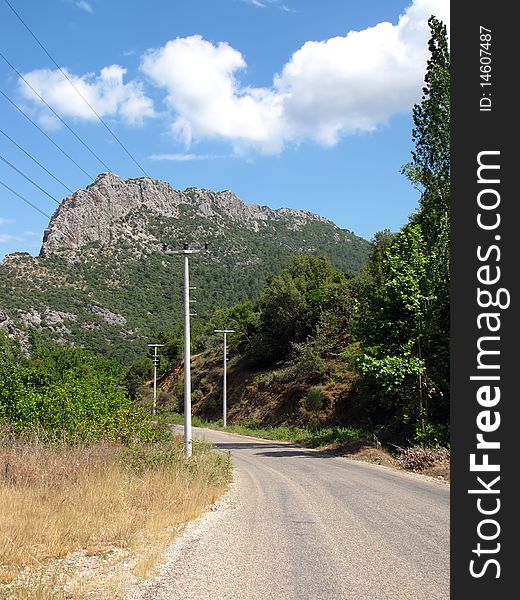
{"x": 288, "y": 103}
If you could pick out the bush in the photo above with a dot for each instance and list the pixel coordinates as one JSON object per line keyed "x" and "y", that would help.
{"x": 310, "y": 407}
{"x": 71, "y": 394}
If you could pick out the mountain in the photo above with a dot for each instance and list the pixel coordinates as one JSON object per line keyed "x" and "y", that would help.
{"x": 105, "y": 279}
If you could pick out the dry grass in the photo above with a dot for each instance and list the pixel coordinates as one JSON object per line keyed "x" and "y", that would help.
{"x": 95, "y": 502}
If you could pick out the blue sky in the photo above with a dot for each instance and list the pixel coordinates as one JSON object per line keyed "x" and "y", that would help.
{"x": 289, "y": 103}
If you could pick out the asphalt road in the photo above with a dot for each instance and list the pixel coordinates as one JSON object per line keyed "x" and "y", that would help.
{"x": 300, "y": 525}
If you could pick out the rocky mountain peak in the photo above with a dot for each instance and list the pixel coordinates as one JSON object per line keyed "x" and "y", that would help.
{"x": 101, "y": 212}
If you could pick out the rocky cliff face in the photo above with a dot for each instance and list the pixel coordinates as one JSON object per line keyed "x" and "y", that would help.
{"x": 111, "y": 209}
{"x": 11, "y": 331}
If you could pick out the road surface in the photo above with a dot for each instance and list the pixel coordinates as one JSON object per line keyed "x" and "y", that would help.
{"x": 298, "y": 525}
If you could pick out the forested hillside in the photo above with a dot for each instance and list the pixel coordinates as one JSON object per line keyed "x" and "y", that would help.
{"x": 104, "y": 280}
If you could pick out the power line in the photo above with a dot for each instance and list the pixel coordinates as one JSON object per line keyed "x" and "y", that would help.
{"x": 102, "y": 121}
{"x": 25, "y": 200}
{"x": 49, "y": 138}
{"x": 36, "y": 161}
{"x": 84, "y": 144}
{"x": 29, "y": 179}
{"x": 69, "y": 234}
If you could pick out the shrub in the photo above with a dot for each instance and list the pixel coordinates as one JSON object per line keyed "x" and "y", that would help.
{"x": 310, "y": 407}
{"x": 74, "y": 395}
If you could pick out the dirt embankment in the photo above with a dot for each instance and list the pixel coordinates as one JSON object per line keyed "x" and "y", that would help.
{"x": 266, "y": 397}
{"x": 279, "y": 397}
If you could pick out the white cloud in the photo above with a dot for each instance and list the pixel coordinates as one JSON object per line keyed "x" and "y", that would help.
{"x": 6, "y": 221}
{"x": 357, "y": 82}
{"x": 106, "y": 93}
{"x": 347, "y": 84}
{"x": 266, "y": 3}
{"x": 84, "y": 5}
{"x": 256, "y": 3}
{"x": 203, "y": 92}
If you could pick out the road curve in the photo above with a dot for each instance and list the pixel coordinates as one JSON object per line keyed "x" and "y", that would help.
{"x": 299, "y": 525}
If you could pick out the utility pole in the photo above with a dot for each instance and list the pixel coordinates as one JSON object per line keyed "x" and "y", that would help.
{"x": 155, "y": 361}
{"x": 186, "y": 251}
{"x": 224, "y": 385}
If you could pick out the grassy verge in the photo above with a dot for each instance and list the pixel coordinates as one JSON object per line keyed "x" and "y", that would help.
{"x": 65, "y": 509}
{"x": 351, "y": 441}
{"x": 318, "y": 438}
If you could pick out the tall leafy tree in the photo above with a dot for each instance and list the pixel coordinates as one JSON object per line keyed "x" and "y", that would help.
{"x": 294, "y": 301}
{"x": 430, "y": 169}
{"x": 430, "y": 166}
{"x": 403, "y": 313}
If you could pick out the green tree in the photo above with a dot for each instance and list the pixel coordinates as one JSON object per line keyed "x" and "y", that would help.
{"x": 402, "y": 317}
{"x": 390, "y": 323}
{"x": 243, "y": 317}
{"x": 430, "y": 172}
{"x": 430, "y": 166}
{"x": 71, "y": 394}
{"x": 430, "y": 169}
{"x": 292, "y": 304}
{"x": 137, "y": 373}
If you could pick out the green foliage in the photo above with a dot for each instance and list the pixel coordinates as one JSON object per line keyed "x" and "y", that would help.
{"x": 306, "y": 362}
{"x": 244, "y": 318}
{"x": 390, "y": 313}
{"x": 292, "y": 304}
{"x": 431, "y": 435}
{"x": 402, "y": 311}
{"x": 311, "y": 406}
{"x": 391, "y": 373}
{"x": 137, "y": 373}
{"x": 72, "y": 394}
{"x": 10, "y": 352}
{"x": 430, "y": 168}
{"x": 171, "y": 352}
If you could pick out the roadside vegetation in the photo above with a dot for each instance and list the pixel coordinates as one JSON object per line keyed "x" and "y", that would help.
{"x": 317, "y": 438}
{"x": 342, "y": 441}
{"x": 86, "y": 479}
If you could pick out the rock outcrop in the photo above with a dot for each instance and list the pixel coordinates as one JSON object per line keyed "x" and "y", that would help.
{"x": 102, "y": 212}
{"x": 13, "y": 332}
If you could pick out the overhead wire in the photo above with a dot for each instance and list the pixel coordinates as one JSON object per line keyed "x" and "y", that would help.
{"x": 47, "y": 136}
{"x": 25, "y": 200}
{"x": 2, "y": 158}
{"x": 28, "y": 154}
{"x": 42, "y": 212}
{"x": 82, "y": 142}
{"x": 102, "y": 121}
